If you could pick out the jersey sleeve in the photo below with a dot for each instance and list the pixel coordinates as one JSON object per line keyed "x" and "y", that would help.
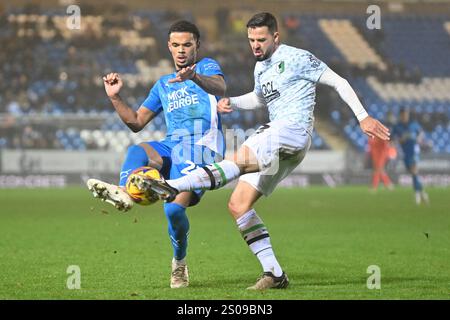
{"x": 309, "y": 67}
{"x": 153, "y": 100}
{"x": 210, "y": 67}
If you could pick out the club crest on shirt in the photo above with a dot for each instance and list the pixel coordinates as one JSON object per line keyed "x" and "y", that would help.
{"x": 280, "y": 67}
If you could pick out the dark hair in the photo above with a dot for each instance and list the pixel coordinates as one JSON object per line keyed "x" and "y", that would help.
{"x": 185, "y": 26}
{"x": 263, "y": 19}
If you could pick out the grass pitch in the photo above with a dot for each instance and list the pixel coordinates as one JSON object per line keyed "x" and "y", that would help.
{"x": 324, "y": 238}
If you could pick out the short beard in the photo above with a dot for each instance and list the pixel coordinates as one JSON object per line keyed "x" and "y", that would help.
{"x": 263, "y": 57}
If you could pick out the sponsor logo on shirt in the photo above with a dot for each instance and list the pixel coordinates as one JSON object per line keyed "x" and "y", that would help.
{"x": 269, "y": 91}
{"x": 211, "y": 66}
{"x": 181, "y": 98}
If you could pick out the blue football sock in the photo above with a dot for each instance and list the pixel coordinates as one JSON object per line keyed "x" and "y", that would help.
{"x": 136, "y": 157}
{"x": 417, "y": 183}
{"x": 178, "y": 228}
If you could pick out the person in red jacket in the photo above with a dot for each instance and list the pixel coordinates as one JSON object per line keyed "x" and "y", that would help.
{"x": 379, "y": 151}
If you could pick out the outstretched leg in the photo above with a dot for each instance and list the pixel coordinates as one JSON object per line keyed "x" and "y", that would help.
{"x": 137, "y": 156}
{"x": 210, "y": 177}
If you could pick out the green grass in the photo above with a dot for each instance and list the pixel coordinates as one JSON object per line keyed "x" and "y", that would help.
{"x": 324, "y": 238}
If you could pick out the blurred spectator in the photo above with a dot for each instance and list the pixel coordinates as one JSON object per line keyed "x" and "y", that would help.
{"x": 32, "y": 139}
{"x": 291, "y": 24}
{"x": 390, "y": 120}
{"x": 238, "y": 23}
{"x": 223, "y": 20}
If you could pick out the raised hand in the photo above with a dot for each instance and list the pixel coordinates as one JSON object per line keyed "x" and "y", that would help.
{"x": 187, "y": 73}
{"x": 113, "y": 83}
{"x": 374, "y": 128}
{"x": 224, "y": 105}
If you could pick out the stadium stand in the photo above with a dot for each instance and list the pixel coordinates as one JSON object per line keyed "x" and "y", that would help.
{"x": 389, "y": 68}
{"x": 51, "y": 71}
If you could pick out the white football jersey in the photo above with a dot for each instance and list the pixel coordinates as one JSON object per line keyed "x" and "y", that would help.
{"x": 287, "y": 81}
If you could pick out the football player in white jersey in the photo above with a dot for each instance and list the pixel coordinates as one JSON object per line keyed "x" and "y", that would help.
{"x": 285, "y": 83}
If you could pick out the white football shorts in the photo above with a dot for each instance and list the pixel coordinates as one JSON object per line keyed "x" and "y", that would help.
{"x": 280, "y": 147}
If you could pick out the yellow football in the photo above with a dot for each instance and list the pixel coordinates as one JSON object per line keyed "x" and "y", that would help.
{"x": 138, "y": 196}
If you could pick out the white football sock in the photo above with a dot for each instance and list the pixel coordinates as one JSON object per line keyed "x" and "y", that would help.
{"x": 257, "y": 237}
{"x": 179, "y": 262}
{"x": 211, "y": 177}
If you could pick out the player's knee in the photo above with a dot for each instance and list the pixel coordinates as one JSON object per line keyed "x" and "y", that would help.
{"x": 237, "y": 208}
{"x": 233, "y": 207}
{"x": 137, "y": 152}
{"x": 134, "y": 148}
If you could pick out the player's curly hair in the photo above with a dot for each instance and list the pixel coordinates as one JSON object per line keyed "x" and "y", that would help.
{"x": 185, "y": 26}
{"x": 263, "y": 19}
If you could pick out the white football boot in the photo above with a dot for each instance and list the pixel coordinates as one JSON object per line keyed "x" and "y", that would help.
{"x": 180, "y": 275}
{"x": 269, "y": 281}
{"x": 111, "y": 194}
{"x": 159, "y": 186}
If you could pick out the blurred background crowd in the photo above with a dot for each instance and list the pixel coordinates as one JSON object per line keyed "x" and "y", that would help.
{"x": 52, "y": 96}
